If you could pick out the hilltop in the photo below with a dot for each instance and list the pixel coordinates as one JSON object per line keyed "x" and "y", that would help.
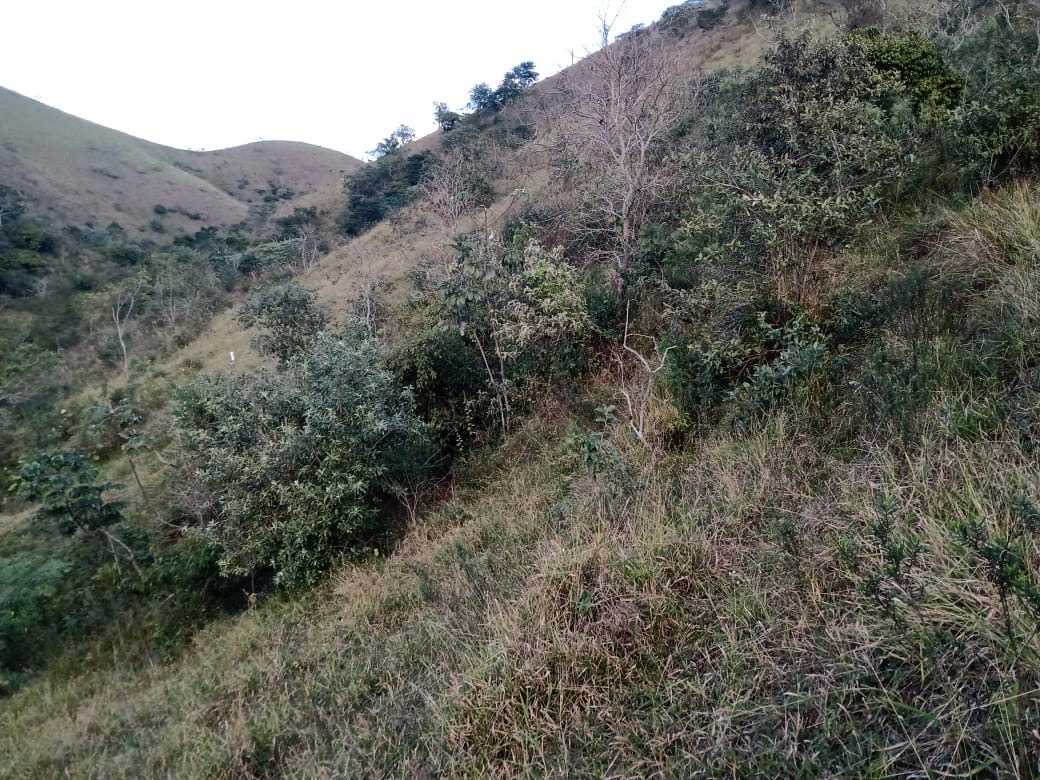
{"x": 75, "y": 172}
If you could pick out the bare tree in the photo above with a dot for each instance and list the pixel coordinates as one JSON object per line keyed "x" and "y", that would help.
{"x": 447, "y": 189}
{"x": 174, "y": 298}
{"x": 637, "y": 386}
{"x": 607, "y": 125}
{"x": 122, "y": 309}
{"x": 308, "y": 247}
{"x": 367, "y": 303}
{"x": 607, "y": 22}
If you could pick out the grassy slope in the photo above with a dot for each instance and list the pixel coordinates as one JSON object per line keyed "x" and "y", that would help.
{"x": 74, "y": 171}
{"x": 693, "y": 610}
{"x": 653, "y": 622}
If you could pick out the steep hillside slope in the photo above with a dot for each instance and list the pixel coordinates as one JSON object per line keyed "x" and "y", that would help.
{"x": 76, "y": 172}
{"x": 715, "y": 459}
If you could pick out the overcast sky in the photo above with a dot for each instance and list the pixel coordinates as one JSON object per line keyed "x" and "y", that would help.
{"x": 216, "y": 73}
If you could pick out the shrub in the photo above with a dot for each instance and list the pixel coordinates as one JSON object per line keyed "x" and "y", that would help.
{"x": 291, "y": 467}
{"x": 794, "y": 159}
{"x": 444, "y": 372}
{"x": 802, "y": 347}
{"x": 710, "y": 18}
{"x": 30, "y": 588}
{"x": 994, "y": 132}
{"x": 22, "y": 235}
{"x": 380, "y": 188}
{"x": 918, "y": 65}
{"x": 301, "y": 219}
{"x": 678, "y": 18}
{"x": 484, "y": 99}
{"x": 291, "y": 316}
{"x": 70, "y": 496}
{"x": 524, "y": 309}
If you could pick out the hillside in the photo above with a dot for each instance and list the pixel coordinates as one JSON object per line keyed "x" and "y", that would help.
{"x": 676, "y": 415}
{"x": 76, "y": 172}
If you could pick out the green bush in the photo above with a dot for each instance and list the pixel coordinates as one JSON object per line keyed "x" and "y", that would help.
{"x": 290, "y": 469}
{"x": 445, "y": 374}
{"x": 791, "y": 161}
{"x": 291, "y": 317}
{"x": 30, "y": 589}
{"x": 994, "y": 132}
{"x": 70, "y": 496}
{"x": 918, "y": 64}
{"x": 301, "y": 218}
{"x": 23, "y": 235}
{"x": 710, "y": 18}
{"x": 524, "y": 308}
{"x": 378, "y": 189}
{"x": 802, "y": 348}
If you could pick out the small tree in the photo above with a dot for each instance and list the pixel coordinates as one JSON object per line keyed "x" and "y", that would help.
{"x": 524, "y": 310}
{"x": 516, "y": 81}
{"x": 614, "y": 115}
{"x": 445, "y": 118}
{"x": 176, "y": 294}
{"x": 400, "y": 137}
{"x": 448, "y": 187}
{"x": 124, "y": 301}
{"x": 483, "y": 98}
{"x": 291, "y": 316}
{"x": 122, "y": 420}
{"x": 71, "y": 498}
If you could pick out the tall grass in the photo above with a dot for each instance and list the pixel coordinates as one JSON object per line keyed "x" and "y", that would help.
{"x": 758, "y": 606}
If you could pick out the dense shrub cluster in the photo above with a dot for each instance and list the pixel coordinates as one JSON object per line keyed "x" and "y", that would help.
{"x": 292, "y": 467}
{"x": 380, "y": 188}
{"x": 787, "y": 166}
{"x": 484, "y": 99}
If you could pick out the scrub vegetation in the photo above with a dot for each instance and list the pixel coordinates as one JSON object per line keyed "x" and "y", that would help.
{"x": 697, "y": 436}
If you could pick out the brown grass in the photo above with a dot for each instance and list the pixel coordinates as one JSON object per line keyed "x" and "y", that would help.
{"x": 74, "y": 172}
{"x": 687, "y": 615}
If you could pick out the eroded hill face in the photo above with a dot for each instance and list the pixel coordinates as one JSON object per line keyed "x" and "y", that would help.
{"x": 76, "y": 172}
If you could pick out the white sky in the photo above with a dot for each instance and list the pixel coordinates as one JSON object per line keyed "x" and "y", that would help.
{"x": 216, "y": 73}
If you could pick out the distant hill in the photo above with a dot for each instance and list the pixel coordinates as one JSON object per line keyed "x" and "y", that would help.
{"x": 76, "y": 172}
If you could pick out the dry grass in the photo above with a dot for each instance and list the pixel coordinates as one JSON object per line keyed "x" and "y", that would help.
{"x": 719, "y": 633}
{"x": 74, "y": 172}
{"x": 702, "y": 614}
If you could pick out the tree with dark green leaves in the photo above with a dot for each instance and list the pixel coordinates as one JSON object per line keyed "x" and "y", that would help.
{"x": 516, "y": 81}
{"x": 445, "y": 118}
{"x": 400, "y": 137}
{"x": 71, "y": 499}
{"x": 482, "y": 98}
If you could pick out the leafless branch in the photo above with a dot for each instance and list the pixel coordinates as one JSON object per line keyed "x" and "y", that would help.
{"x": 447, "y": 189}
{"x": 608, "y": 123}
{"x": 122, "y": 312}
{"x": 637, "y": 389}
